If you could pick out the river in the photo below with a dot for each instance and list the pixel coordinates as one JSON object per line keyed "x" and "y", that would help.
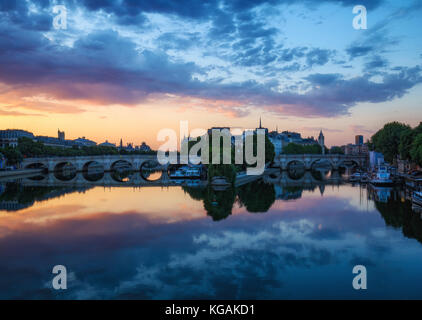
{"x": 273, "y": 239}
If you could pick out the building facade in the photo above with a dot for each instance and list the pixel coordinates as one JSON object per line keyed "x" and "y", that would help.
{"x": 359, "y": 140}
{"x": 10, "y": 137}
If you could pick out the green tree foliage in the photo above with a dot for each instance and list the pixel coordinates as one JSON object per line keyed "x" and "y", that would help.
{"x": 406, "y": 141}
{"x": 387, "y": 139}
{"x": 12, "y": 155}
{"x": 219, "y": 204}
{"x": 224, "y": 170}
{"x": 257, "y": 196}
{"x": 29, "y": 148}
{"x": 294, "y": 148}
{"x": 336, "y": 150}
{"x": 416, "y": 149}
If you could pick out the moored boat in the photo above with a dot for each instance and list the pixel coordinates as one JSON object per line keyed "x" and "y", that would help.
{"x": 382, "y": 177}
{"x": 186, "y": 172}
{"x": 355, "y": 177}
{"x": 364, "y": 178}
{"x": 417, "y": 197}
{"x": 219, "y": 181}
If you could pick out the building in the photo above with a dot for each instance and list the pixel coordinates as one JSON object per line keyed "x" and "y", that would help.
{"x": 277, "y": 142}
{"x": 355, "y": 149}
{"x": 83, "y": 142}
{"x": 321, "y": 141}
{"x": 144, "y": 147}
{"x": 2, "y": 161}
{"x": 107, "y": 144}
{"x": 54, "y": 142}
{"x": 307, "y": 141}
{"x": 404, "y": 166}
{"x": 217, "y": 128}
{"x": 280, "y": 140}
{"x": 60, "y": 135}
{"x": 375, "y": 159}
{"x": 10, "y": 137}
{"x": 261, "y": 127}
{"x": 359, "y": 140}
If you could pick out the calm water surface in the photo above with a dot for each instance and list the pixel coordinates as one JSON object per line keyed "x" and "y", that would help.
{"x": 260, "y": 241}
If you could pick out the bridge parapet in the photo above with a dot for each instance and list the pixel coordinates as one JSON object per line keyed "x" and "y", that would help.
{"x": 335, "y": 160}
{"x": 80, "y": 163}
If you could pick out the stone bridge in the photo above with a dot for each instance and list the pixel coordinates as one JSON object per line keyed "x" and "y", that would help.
{"x": 82, "y": 163}
{"x": 308, "y": 160}
{"x": 105, "y": 179}
{"x": 306, "y": 180}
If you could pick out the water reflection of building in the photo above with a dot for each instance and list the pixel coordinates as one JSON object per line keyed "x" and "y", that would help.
{"x": 14, "y": 205}
{"x": 15, "y": 197}
{"x": 287, "y": 193}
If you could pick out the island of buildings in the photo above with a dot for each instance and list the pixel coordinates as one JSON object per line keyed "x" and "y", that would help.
{"x": 10, "y": 138}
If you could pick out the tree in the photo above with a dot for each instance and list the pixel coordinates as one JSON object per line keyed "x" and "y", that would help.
{"x": 257, "y": 196}
{"x": 294, "y": 148}
{"x": 416, "y": 149}
{"x": 387, "y": 139}
{"x": 336, "y": 150}
{"x": 406, "y": 140}
{"x": 12, "y": 155}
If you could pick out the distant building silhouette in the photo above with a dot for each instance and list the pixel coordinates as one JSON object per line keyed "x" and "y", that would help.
{"x": 321, "y": 141}
{"x": 61, "y": 135}
{"x": 359, "y": 140}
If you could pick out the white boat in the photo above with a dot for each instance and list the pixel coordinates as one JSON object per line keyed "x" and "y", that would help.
{"x": 417, "y": 197}
{"x": 355, "y": 177}
{"x": 382, "y": 177}
{"x": 186, "y": 173}
{"x": 364, "y": 178}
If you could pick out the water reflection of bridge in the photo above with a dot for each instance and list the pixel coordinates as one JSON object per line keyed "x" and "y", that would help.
{"x": 106, "y": 179}
{"x": 307, "y": 180}
{"x": 335, "y": 161}
{"x": 138, "y": 179}
{"x": 82, "y": 163}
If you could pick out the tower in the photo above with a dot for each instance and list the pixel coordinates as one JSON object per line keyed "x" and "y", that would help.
{"x": 321, "y": 141}
{"x": 260, "y": 126}
{"x": 60, "y": 134}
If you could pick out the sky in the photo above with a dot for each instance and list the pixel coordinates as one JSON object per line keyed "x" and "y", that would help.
{"x": 126, "y": 69}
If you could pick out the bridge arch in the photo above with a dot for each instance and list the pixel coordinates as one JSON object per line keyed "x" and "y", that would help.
{"x": 64, "y": 171}
{"x": 121, "y": 163}
{"x": 86, "y": 165}
{"x": 290, "y": 161}
{"x": 342, "y": 163}
{"x": 324, "y": 160}
{"x": 36, "y": 165}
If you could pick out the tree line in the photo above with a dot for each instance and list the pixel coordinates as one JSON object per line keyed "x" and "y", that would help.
{"x": 27, "y": 148}
{"x": 398, "y": 139}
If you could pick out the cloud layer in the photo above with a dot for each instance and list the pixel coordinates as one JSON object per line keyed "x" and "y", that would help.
{"x": 210, "y": 50}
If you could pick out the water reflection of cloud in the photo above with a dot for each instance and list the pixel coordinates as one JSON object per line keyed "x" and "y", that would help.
{"x": 131, "y": 255}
